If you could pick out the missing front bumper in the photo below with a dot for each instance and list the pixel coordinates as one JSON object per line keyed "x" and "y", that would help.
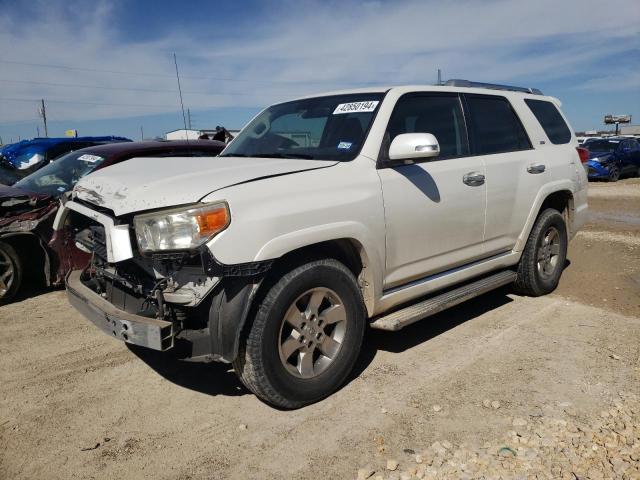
{"x": 135, "y": 329}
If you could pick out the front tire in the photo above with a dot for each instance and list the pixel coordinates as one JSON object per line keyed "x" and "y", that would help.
{"x": 305, "y": 337}
{"x": 544, "y": 255}
{"x": 10, "y": 272}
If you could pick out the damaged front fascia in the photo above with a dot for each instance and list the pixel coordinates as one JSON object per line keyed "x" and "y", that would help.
{"x": 167, "y": 268}
{"x": 212, "y": 267}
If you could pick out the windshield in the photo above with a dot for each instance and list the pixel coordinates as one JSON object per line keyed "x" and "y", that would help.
{"x": 601, "y": 145}
{"x": 326, "y": 128}
{"x": 62, "y": 174}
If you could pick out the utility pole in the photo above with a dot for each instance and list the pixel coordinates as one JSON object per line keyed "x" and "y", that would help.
{"x": 141, "y": 133}
{"x": 38, "y": 130}
{"x": 189, "y": 118}
{"x": 43, "y": 114}
{"x": 439, "y": 77}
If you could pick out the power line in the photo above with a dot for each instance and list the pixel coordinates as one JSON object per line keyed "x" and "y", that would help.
{"x": 104, "y": 87}
{"x": 87, "y": 103}
{"x": 203, "y": 77}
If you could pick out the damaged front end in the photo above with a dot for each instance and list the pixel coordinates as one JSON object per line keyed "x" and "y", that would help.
{"x": 26, "y": 220}
{"x": 168, "y": 300}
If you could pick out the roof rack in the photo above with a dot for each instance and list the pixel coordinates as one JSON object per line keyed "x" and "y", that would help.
{"x": 457, "y": 82}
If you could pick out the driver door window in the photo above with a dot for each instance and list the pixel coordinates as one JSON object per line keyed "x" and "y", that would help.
{"x": 439, "y": 115}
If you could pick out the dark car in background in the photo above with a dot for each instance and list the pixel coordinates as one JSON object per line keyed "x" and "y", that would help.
{"x": 17, "y": 160}
{"x": 613, "y": 157}
{"x": 27, "y": 209}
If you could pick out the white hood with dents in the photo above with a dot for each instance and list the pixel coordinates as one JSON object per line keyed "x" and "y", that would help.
{"x": 149, "y": 183}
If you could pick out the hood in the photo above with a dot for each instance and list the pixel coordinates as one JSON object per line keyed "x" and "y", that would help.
{"x": 7, "y": 194}
{"x": 22, "y": 206}
{"x": 149, "y": 183}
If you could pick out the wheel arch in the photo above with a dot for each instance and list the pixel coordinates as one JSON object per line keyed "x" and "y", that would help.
{"x": 33, "y": 251}
{"x": 236, "y": 298}
{"x": 558, "y": 196}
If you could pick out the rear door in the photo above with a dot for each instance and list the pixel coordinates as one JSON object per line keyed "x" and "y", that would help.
{"x": 434, "y": 220}
{"x": 513, "y": 174}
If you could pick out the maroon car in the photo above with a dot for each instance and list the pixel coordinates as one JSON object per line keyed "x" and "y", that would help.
{"x": 27, "y": 209}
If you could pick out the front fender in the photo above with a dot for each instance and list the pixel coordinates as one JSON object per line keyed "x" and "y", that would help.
{"x": 597, "y": 169}
{"x": 356, "y": 233}
{"x": 280, "y": 215}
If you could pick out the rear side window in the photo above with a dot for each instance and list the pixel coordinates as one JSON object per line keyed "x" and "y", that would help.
{"x": 494, "y": 126}
{"x": 551, "y": 121}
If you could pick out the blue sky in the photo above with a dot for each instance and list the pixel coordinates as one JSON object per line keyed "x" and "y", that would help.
{"x": 108, "y": 68}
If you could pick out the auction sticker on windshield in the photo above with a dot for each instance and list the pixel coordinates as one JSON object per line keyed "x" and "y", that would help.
{"x": 356, "y": 107}
{"x": 90, "y": 158}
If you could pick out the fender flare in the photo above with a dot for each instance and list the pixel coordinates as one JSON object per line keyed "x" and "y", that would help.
{"x": 228, "y": 315}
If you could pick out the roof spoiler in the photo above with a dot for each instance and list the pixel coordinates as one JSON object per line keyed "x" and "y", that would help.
{"x": 457, "y": 82}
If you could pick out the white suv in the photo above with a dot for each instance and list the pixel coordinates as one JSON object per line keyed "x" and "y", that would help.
{"x": 327, "y": 214}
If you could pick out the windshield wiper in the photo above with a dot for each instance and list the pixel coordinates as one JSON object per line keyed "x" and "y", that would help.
{"x": 233, "y": 155}
{"x": 285, "y": 155}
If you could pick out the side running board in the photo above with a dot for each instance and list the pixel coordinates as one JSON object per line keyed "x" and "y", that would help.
{"x": 406, "y": 316}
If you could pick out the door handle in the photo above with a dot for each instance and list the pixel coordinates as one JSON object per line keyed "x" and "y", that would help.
{"x": 536, "y": 168}
{"x": 473, "y": 179}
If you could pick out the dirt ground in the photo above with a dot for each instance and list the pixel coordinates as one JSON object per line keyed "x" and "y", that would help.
{"x": 77, "y": 404}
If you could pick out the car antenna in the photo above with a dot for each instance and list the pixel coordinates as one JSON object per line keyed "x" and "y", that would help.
{"x": 184, "y": 119}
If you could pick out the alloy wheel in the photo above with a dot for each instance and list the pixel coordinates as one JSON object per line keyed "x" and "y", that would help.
{"x": 6, "y": 273}
{"x": 548, "y": 252}
{"x": 614, "y": 174}
{"x": 312, "y": 332}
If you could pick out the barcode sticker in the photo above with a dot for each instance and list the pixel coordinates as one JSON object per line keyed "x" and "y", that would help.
{"x": 356, "y": 107}
{"x": 90, "y": 158}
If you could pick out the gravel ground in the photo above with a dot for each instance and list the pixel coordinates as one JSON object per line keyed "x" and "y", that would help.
{"x": 556, "y": 442}
{"x": 501, "y": 387}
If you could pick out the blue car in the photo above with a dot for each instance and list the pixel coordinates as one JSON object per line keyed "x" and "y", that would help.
{"x": 611, "y": 158}
{"x": 18, "y": 160}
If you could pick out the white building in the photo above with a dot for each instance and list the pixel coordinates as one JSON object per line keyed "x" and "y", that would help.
{"x": 183, "y": 134}
{"x": 186, "y": 134}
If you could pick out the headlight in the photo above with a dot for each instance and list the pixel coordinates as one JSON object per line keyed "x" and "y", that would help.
{"x": 181, "y": 228}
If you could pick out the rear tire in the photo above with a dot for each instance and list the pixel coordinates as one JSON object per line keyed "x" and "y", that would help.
{"x": 544, "y": 255}
{"x": 11, "y": 272}
{"x": 305, "y": 337}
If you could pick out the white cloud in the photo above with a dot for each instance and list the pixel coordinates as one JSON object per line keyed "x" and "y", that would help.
{"x": 315, "y": 46}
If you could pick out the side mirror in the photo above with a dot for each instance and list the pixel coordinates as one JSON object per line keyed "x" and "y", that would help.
{"x": 413, "y": 146}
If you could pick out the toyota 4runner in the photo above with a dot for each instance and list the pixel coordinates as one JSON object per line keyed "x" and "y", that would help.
{"x": 375, "y": 207}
